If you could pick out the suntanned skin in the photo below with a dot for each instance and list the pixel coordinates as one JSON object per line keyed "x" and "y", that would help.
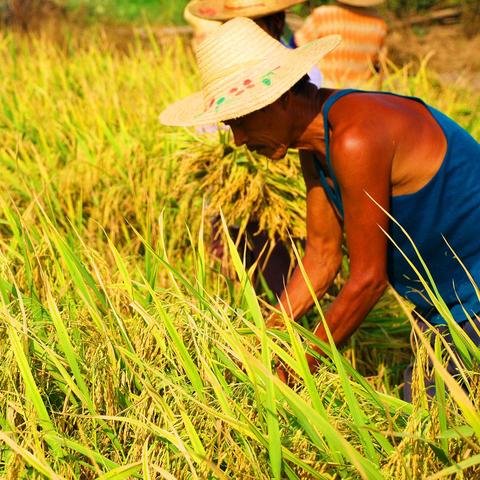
{"x": 381, "y": 145}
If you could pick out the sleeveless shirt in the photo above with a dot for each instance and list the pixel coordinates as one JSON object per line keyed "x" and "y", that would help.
{"x": 446, "y": 209}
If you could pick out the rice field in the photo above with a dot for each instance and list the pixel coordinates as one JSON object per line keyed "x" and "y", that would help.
{"x": 128, "y": 11}
{"x": 128, "y": 351}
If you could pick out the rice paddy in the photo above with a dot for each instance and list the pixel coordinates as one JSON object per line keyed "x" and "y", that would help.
{"x": 127, "y": 352}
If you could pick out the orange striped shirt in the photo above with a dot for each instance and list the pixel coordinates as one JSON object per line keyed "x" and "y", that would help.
{"x": 354, "y": 60}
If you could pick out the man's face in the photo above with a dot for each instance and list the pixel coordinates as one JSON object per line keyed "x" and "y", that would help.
{"x": 265, "y": 131}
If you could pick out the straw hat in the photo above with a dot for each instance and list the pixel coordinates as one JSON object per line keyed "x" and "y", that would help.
{"x": 361, "y": 3}
{"x": 228, "y": 9}
{"x": 243, "y": 69}
{"x": 199, "y": 24}
{"x": 202, "y": 28}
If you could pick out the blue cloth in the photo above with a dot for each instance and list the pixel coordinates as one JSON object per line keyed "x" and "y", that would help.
{"x": 447, "y": 208}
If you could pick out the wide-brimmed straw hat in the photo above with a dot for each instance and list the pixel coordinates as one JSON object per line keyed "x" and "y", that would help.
{"x": 243, "y": 69}
{"x": 228, "y": 9}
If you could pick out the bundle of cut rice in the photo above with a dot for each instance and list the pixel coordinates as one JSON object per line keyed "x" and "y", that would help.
{"x": 245, "y": 186}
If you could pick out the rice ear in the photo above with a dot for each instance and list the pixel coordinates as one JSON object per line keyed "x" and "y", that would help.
{"x": 247, "y": 187}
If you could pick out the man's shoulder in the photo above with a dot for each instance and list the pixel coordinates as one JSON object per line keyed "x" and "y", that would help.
{"x": 365, "y": 106}
{"x": 358, "y": 120}
{"x": 354, "y": 106}
{"x": 350, "y": 138}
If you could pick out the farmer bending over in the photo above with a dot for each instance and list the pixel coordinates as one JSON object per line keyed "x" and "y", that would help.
{"x": 363, "y": 154}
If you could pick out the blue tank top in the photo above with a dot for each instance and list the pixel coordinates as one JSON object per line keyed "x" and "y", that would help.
{"x": 446, "y": 208}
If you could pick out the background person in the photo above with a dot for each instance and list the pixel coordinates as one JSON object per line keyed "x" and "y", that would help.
{"x": 201, "y": 26}
{"x": 363, "y": 32}
{"x": 205, "y": 16}
{"x": 263, "y": 13}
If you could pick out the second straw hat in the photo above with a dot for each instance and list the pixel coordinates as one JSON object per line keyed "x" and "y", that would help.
{"x": 361, "y": 3}
{"x": 227, "y": 9}
{"x": 243, "y": 69}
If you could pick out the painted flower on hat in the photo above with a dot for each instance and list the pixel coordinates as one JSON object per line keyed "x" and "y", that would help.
{"x": 207, "y": 11}
{"x": 265, "y": 79}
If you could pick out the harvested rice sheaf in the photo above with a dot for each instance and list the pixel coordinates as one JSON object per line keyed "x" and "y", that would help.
{"x": 245, "y": 186}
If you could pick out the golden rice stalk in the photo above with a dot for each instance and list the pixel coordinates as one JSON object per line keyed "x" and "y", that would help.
{"x": 247, "y": 187}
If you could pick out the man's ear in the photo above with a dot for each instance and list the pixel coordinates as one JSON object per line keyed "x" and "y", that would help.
{"x": 285, "y": 99}
{"x": 280, "y": 24}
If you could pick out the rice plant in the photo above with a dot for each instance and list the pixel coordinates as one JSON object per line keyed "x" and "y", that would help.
{"x": 126, "y": 353}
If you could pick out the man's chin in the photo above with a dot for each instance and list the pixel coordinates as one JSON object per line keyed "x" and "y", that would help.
{"x": 269, "y": 152}
{"x": 277, "y": 154}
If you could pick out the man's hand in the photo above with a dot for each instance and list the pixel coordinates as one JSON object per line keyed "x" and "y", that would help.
{"x": 285, "y": 373}
{"x": 275, "y": 321}
{"x": 312, "y": 362}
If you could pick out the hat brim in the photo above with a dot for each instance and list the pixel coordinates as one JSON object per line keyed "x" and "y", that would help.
{"x": 215, "y": 9}
{"x": 199, "y": 23}
{"x": 250, "y": 90}
{"x": 361, "y": 3}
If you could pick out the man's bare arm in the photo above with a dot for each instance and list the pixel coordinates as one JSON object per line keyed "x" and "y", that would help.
{"x": 362, "y": 165}
{"x": 323, "y": 247}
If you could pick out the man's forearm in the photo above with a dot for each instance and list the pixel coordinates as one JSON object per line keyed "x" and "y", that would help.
{"x": 349, "y": 309}
{"x": 321, "y": 270}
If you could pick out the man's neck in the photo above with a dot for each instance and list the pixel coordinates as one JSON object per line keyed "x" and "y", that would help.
{"x": 310, "y": 129}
